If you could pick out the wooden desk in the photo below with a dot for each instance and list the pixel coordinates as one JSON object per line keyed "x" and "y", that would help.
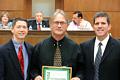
{"x": 34, "y": 37}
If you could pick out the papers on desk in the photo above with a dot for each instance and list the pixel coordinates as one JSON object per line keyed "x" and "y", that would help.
{"x": 80, "y": 29}
{"x": 45, "y": 29}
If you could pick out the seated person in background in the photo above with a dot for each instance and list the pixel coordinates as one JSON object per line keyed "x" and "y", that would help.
{"x": 5, "y": 24}
{"x": 38, "y": 23}
{"x": 78, "y": 23}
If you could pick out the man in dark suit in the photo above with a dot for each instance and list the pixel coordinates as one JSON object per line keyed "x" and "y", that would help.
{"x": 38, "y": 23}
{"x": 44, "y": 52}
{"x": 14, "y": 65}
{"x": 102, "y": 62}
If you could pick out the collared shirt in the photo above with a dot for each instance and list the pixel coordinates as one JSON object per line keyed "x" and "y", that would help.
{"x": 9, "y": 25}
{"x": 84, "y": 26}
{"x": 39, "y": 24}
{"x": 25, "y": 56}
{"x": 104, "y": 43}
{"x": 46, "y": 49}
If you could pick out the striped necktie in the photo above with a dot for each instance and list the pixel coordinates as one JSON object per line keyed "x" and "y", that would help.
{"x": 97, "y": 62}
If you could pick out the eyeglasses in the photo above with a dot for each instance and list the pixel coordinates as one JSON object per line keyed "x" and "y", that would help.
{"x": 59, "y": 22}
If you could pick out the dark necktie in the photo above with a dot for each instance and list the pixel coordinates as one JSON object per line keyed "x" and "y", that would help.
{"x": 57, "y": 57}
{"x": 21, "y": 59}
{"x": 97, "y": 62}
{"x": 38, "y": 27}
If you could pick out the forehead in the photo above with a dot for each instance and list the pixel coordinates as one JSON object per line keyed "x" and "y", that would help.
{"x": 21, "y": 23}
{"x": 59, "y": 17}
{"x": 5, "y": 15}
{"x": 38, "y": 14}
{"x": 74, "y": 15}
{"x": 101, "y": 19}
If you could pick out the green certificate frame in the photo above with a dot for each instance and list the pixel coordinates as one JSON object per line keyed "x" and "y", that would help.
{"x": 56, "y": 73}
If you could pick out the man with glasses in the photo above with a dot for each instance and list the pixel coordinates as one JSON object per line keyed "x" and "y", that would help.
{"x": 44, "y": 52}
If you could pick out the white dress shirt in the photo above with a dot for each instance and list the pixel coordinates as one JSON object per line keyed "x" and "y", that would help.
{"x": 84, "y": 26}
{"x": 104, "y": 43}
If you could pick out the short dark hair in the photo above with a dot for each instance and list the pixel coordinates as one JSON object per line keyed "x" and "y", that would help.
{"x": 18, "y": 19}
{"x": 79, "y": 14}
{"x": 101, "y": 14}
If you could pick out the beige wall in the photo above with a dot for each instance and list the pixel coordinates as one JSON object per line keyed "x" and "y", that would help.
{"x": 47, "y": 6}
{"x": 90, "y": 7}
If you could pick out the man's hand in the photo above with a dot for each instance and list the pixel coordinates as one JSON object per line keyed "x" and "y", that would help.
{"x": 75, "y": 78}
{"x": 38, "y": 78}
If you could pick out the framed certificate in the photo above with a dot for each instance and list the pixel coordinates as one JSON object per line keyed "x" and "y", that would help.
{"x": 56, "y": 73}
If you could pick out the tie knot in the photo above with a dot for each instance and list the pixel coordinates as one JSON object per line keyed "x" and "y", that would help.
{"x": 57, "y": 44}
{"x": 100, "y": 44}
{"x": 20, "y": 47}
{"x": 39, "y": 24}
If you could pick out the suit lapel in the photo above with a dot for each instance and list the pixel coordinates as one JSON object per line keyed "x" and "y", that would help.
{"x": 13, "y": 57}
{"x": 108, "y": 49}
{"x": 91, "y": 50}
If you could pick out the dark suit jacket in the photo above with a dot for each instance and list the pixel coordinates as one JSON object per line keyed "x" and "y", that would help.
{"x": 44, "y": 55}
{"x": 110, "y": 64}
{"x": 33, "y": 23}
{"x": 9, "y": 63}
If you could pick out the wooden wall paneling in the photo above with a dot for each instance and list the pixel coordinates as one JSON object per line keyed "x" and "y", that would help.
{"x": 71, "y": 5}
{"x": 59, "y": 4}
{"x": 88, "y": 15}
{"x": 17, "y": 8}
{"x": 35, "y": 37}
{"x": 27, "y": 8}
{"x": 82, "y": 5}
{"x": 11, "y": 4}
{"x": 115, "y": 30}
{"x": 16, "y": 13}
{"x": 88, "y": 5}
{"x": 109, "y": 5}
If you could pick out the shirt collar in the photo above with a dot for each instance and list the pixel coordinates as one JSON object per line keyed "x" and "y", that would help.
{"x": 104, "y": 42}
{"x": 40, "y": 23}
{"x": 60, "y": 42}
{"x": 17, "y": 44}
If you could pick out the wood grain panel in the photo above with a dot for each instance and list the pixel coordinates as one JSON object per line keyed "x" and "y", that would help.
{"x": 109, "y": 5}
{"x": 17, "y": 8}
{"x": 83, "y": 5}
{"x": 88, "y": 5}
{"x": 11, "y": 4}
{"x": 115, "y": 30}
{"x": 71, "y": 5}
{"x": 35, "y": 37}
{"x": 59, "y": 4}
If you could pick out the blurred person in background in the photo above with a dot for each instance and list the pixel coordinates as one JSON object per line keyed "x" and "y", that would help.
{"x": 79, "y": 23}
{"x": 38, "y": 23}
{"x": 5, "y": 24}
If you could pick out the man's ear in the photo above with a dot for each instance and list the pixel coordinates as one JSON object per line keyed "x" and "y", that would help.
{"x": 110, "y": 27}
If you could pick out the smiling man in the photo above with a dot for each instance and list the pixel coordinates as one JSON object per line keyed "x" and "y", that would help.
{"x": 102, "y": 53}
{"x": 15, "y": 55}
